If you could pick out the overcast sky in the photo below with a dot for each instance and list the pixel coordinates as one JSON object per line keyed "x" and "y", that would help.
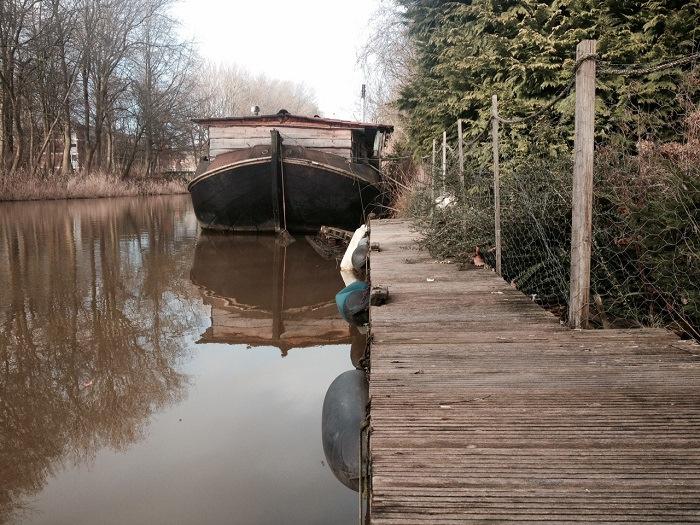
{"x": 311, "y": 41}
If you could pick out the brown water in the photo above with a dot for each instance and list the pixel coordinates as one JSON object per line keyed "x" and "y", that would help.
{"x": 153, "y": 374}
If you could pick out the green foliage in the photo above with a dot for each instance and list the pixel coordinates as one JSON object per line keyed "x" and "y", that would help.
{"x": 646, "y": 211}
{"x": 524, "y": 52}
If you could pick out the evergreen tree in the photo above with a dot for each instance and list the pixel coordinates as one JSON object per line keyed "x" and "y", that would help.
{"x": 524, "y": 51}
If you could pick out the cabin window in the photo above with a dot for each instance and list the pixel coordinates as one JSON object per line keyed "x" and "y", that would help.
{"x": 358, "y": 147}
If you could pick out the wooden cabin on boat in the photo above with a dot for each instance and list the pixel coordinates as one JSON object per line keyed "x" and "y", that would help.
{"x": 347, "y": 139}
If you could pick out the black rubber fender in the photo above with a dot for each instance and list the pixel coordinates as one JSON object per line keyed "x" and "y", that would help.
{"x": 344, "y": 410}
{"x": 359, "y": 256}
{"x": 358, "y": 347}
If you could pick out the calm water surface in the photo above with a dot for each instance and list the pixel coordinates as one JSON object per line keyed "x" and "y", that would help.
{"x": 150, "y": 373}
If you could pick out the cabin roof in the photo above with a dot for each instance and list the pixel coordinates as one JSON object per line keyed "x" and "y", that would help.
{"x": 287, "y": 119}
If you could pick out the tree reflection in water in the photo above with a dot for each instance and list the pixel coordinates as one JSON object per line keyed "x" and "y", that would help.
{"x": 94, "y": 319}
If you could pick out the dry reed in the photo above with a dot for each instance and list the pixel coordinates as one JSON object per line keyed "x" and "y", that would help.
{"x": 21, "y": 187}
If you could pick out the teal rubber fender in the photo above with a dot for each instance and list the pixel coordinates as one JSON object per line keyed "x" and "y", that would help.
{"x": 353, "y": 303}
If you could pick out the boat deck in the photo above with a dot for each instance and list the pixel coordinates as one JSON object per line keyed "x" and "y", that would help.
{"x": 485, "y": 408}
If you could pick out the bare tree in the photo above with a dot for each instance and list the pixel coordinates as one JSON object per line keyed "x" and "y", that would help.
{"x": 387, "y": 60}
{"x": 161, "y": 86}
{"x": 230, "y": 90}
{"x": 115, "y": 75}
{"x": 15, "y": 39}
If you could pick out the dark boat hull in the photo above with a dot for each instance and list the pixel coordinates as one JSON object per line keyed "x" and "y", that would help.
{"x": 315, "y": 189}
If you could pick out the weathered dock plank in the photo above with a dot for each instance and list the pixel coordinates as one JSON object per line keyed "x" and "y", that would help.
{"x": 484, "y": 408}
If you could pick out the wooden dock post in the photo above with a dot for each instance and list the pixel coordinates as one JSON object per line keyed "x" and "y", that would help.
{"x": 444, "y": 162}
{"x": 496, "y": 181}
{"x": 432, "y": 176}
{"x": 460, "y": 150}
{"x": 582, "y": 190}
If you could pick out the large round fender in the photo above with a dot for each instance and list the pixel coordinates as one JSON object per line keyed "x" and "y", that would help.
{"x": 343, "y": 414}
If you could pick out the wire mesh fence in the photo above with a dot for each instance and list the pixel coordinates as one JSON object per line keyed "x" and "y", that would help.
{"x": 645, "y": 256}
{"x": 645, "y": 267}
{"x": 535, "y": 203}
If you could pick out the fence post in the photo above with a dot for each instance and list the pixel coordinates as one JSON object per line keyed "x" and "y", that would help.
{"x": 496, "y": 181}
{"x": 582, "y": 190}
{"x": 432, "y": 177}
{"x": 460, "y": 150}
{"x": 444, "y": 162}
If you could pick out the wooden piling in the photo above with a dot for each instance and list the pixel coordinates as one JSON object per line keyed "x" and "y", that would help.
{"x": 582, "y": 191}
{"x": 444, "y": 162}
{"x": 432, "y": 176}
{"x": 460, "y": 151}
{"x": 496, "y": 181}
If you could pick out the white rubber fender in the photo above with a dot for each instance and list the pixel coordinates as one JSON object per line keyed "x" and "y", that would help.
{"x": 347, "y": 272}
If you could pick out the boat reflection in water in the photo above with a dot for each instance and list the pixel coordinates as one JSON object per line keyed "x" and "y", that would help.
{"x": 263, "y": 293}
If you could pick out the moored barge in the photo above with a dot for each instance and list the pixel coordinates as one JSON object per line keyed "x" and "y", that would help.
{"x": 286, "y": 172}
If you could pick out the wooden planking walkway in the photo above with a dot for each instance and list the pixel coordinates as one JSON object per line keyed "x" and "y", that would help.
{"x": 485, "y": 409}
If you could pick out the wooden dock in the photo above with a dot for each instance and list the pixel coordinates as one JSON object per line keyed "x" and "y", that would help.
{"x": 484, "y": 408}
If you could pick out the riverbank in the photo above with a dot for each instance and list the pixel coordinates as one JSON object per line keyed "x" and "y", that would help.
{"x": 85, "y": 186}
